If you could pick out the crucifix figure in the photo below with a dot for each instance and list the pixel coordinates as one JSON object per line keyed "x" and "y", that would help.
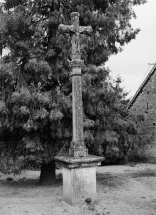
{"x": 76, "y": 30}
{"x": 77, "y": 148}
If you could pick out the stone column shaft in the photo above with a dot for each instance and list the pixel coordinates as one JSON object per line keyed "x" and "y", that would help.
{"x": 77, "y": 106}
{"x": 77, "y": 148}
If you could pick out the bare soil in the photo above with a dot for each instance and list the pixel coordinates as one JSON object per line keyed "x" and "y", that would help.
{"x": 122, "y": 190}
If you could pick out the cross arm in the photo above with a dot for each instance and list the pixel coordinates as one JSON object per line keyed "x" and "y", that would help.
{"x": 65, "y": 28}
{"x": 85, "y": 29}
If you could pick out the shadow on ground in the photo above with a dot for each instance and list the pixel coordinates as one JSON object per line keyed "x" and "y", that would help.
{"x": 111, "y": 181}
{"x": 141, "y": 174}
{"x": 27, "y": 182}
{"x": 117, "y": 180}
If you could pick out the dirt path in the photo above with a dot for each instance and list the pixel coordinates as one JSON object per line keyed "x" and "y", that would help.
{"x": 122, "y": 190}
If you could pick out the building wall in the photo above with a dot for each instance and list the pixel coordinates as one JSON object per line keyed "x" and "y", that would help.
{"x": 145, "y": 104}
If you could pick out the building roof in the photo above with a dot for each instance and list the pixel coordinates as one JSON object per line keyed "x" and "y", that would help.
{"x": 142, "y": 86}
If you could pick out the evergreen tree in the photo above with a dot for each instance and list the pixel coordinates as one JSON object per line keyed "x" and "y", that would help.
{"x": 112, "y": 132}
{"x": 36, "y": 87}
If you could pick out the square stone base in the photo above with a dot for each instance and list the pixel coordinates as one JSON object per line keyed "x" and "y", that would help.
{"x": 79, "y": 178}
{"x": 79, "y": 184}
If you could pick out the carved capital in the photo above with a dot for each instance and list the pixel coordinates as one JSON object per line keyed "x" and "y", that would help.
{"x": 76, "y": 63}
{"x": 78, "y": 150}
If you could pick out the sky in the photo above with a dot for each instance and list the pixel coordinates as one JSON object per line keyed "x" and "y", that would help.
{"x": 132, "y": 63}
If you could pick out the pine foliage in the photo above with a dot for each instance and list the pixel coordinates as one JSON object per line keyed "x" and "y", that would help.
{"x": 35, "y": 89}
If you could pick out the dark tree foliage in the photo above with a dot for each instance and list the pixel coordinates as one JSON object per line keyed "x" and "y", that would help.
{"x": 112, "y": 131}
{"x": 35, "y": 89}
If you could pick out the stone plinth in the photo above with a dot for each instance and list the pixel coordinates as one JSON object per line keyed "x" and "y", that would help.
{"x": 79, "y": 178}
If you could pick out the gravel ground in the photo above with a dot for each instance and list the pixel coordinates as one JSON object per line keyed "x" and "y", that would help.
{"x": 122, "y": 190}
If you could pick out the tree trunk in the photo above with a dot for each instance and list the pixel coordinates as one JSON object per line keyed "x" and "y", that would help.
{"x": 47, "y": 176}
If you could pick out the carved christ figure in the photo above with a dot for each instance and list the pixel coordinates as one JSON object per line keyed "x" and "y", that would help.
{"x": 76, "y": 50}
{"x": 76, "y": 30}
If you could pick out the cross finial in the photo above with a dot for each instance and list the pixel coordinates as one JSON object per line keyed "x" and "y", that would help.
{"x": 75, "y": 18}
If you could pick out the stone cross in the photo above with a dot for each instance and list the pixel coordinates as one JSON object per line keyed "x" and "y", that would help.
{"x": 77, "y": 148}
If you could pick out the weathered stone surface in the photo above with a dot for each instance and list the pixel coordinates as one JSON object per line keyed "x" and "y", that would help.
{"x": 73, "y": 162}
{"x": 79, "y": 184}
{"x": 77, "y": 108}
{"x": 78, "y": 151}
{"x": 88, "y": 159}
{"x": 76, "y": 64}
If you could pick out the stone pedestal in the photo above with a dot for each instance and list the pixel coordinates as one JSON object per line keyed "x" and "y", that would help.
{"x": 79, "y": 178}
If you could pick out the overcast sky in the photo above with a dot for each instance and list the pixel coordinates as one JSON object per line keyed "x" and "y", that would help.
{"x": 132, "y": 63}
